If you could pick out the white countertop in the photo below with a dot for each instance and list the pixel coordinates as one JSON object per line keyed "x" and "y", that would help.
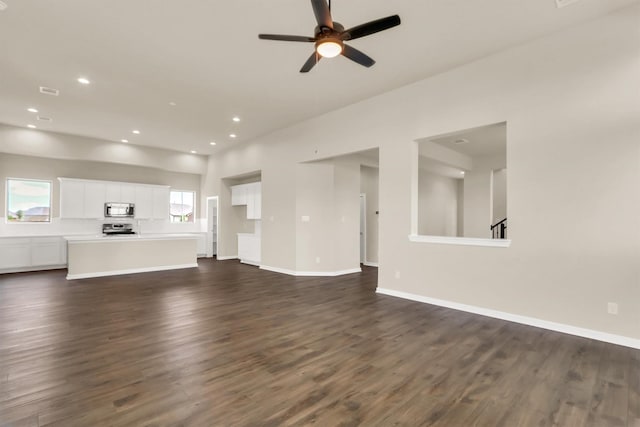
{"x": 134, "y": 237}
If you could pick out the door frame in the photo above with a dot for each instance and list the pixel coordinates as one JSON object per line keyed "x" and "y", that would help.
{"x": 363, "y": 228}
{"x": 209, "y": 231}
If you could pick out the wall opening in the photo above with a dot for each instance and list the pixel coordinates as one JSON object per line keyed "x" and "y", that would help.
{"x": 461, "y": 186}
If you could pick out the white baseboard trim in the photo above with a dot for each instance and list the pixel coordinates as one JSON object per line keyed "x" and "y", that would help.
{"x": 329, "y": 273}
{"x": 278, "y": 270}
{"x": 525, "y": 320}
{"x": 36, "y": 268}
{"x": 310, "y": 273}
{"x": 370, "y": 264}
{"x": 129, "y": 271}
{"x": 224, "y": 258}
{"x": 247, "y": 261}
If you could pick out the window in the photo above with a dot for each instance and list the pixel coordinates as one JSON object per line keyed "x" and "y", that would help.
{"x": 28, "y": 200}
{"x": 182, "y": 206}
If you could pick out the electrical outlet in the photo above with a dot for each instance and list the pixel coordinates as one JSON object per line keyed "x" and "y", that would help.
{"x": 317, "y": 260}
{"x": 397, "y": 274}
{"x": 612, "y": 308}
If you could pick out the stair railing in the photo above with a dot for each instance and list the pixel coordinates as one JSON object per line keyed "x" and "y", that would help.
{"x": 498, "y": 230}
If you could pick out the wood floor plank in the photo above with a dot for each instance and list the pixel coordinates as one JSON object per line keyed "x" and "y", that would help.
{"x": 228, "y": 344}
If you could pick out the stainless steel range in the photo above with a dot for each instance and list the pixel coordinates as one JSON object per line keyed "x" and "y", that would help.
{"x": 117, "y": 229}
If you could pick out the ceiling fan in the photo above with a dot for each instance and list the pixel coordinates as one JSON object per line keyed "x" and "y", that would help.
{"x": 330, "y": 36}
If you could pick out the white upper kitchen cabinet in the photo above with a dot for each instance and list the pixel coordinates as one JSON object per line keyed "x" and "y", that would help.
{"x": 120, "y": 192}
{"x": 113, "y": 192}
{"x": 144, "y": 201}
{"x": 161, "y": 203}
{"x": 82, "y": 199}
{"x": 239, "y": 195}
{"x": 94, "y": 198}
{"x": 248, "y": 194}
{"x": 152, "y": 202}
{"x": 72, "y": 199}
{"x": 254, "y": 200}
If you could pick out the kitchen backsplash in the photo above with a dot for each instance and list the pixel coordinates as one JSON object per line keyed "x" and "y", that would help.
{"x": 92, "y": 226}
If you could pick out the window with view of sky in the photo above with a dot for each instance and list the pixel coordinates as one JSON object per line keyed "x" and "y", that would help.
{"x": 28, "y": 200}
{"x": 182, "y": 206}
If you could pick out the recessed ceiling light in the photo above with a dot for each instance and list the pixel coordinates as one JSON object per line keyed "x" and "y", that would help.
{"x": 124, "y": 140}
{"x": 32, "y": 110}
{"x": 31, "y": 126}
{"x": 233, "y": 135}
{"x": 173, "y": 104}
{"x": 461, "y": 172}
{"x": 236, "y": 119}
{"x": 137, "y": 132}
{"x": 212, "y": 143}
{"x": 193, "y": 151}
{"x": 83, "y": 80}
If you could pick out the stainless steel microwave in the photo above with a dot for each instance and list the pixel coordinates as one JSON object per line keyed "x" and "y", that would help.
{"x": 119, "y": 210}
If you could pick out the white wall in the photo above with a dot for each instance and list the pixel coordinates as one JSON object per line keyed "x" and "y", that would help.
{"x": 572, "y": 105}
{"x": 478, "y": 197}
{"x": 437, "y": 205}
{"x": 53, "y": 145}
{"x": 328, "y": 194}
{"x": 499, "y": 195}
{"x": 477, "y": 203}
{"x": 315, "y": 200}
{"x": 345, "y": 230}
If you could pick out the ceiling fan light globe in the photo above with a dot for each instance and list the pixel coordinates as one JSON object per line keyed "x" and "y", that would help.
{"x": 329, "y": 48}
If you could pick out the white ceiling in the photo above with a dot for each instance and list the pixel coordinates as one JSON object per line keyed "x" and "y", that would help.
{"x": 206, "y": 57}
{"x": 482, "y": 141}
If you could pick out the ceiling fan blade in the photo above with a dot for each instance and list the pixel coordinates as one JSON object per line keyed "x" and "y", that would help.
{"x": 370, "y": 27}
{"x": 357, "y": 56}
{"x": 285, "y": 38}
{"x": 322, "y": 12}
{"x": 311, "y": 62}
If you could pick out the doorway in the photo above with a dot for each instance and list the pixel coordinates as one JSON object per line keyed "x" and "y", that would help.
{"x": 212, "y": 226}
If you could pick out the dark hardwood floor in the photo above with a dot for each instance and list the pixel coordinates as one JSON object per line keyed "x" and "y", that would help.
{"x": 231, "y": 345}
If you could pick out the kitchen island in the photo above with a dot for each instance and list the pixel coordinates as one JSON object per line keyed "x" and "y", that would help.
{"x": 99, "y": 255}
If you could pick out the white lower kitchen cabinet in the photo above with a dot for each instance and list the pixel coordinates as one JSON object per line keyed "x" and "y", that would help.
{"x": 48, "y": 251}
{"x": 202, "y": 245}
{"x": 32, "y": 253}
{"x": 15, "y": 253}
{"x": 249, "y": 248}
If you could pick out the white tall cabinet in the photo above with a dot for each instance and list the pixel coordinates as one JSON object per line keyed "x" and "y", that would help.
{"x": 249, "y": 244}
